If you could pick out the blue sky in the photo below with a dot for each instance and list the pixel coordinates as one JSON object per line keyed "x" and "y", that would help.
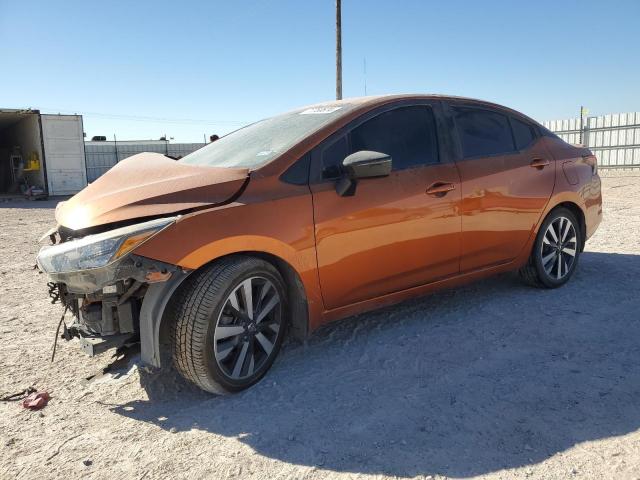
{"x": 141, "y": 69}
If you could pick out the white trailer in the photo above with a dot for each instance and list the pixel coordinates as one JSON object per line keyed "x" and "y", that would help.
{"x": 41, "y": 152}
{"x": 63, "y": 141}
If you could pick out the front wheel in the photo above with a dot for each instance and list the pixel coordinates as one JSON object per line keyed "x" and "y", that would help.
{"x": 555, "y": 252}
{"x": 228, "y": 324}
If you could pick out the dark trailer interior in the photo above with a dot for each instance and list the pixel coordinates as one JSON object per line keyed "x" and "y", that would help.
{"x": 21, "y": 153}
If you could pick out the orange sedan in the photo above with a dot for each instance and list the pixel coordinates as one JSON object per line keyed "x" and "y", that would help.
{"x": 311, "y": 216}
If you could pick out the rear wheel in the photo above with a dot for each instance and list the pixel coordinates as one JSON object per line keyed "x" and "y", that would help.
{"x": 556, "y": 251}
{"x": 229, "y": 323}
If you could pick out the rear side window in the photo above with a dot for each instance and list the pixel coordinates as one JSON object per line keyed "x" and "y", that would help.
{"x": 408, "y": 134}
{"x": 522, "y": 133}
{"x": 483, "y": 132}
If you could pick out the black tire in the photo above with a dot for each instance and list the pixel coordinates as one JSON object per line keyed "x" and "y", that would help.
{"x": 534, "y": 272}
{"x": 196, "y": 311}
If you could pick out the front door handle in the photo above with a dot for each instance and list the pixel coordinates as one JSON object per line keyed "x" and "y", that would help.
{"x": 440, "y": 189}
{"x": 539, "y": 163}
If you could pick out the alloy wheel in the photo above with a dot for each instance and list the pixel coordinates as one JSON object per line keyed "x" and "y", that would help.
{"x": 559, "y": 248}
{"x": 247, "y": 328}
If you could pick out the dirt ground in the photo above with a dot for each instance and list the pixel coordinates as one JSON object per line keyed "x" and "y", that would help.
{"x": 494, "y": 380}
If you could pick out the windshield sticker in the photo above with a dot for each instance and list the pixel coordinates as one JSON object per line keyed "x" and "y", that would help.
{"x": 319, "y": 110}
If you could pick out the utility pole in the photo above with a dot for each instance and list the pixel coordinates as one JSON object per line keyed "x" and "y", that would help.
{"x": 338, "y": 50}
{"x": 115, "y": 144}
{"x": 583, "y": 114}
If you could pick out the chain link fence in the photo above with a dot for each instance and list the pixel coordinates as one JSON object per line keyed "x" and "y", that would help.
{"x": 101, "y": 156}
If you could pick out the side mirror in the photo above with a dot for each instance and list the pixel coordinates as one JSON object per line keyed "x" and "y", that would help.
{"x": 362, "y": 164}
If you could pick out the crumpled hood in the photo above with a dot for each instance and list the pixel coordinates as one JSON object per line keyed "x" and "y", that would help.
{"x": 149, "y": 184}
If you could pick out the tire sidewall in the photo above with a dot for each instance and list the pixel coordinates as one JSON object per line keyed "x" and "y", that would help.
{"x": 543, "y": 276}
{"x": 214, "y": 373}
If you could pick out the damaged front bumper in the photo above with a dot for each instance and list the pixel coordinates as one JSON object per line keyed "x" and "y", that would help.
{"x": 111, "y": 302}
{"x": 106, "y": 302}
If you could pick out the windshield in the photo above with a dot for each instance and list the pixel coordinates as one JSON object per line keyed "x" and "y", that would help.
{"x": 261, "y": 142}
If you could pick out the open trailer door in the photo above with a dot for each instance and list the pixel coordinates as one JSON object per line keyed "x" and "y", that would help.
{"x": 63, "y": 141}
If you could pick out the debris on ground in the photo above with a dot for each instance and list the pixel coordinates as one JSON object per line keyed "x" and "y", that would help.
{"x": 14, "y": 397}
{"x": 36, "y": 400}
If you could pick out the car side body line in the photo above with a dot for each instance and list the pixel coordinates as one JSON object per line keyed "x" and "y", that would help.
{"x": 454, "y": 281}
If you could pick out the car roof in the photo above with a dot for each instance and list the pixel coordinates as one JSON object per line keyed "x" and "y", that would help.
{"x": 380, "y": 99}
{"x": 356, "y": 106}
{"x": 373, "y": 101}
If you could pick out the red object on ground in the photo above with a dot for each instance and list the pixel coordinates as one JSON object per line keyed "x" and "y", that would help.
{"x": 36, "y": 401}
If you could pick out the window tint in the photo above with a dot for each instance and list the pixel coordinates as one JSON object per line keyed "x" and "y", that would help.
{"x": 298, "y": 173}
{"x": 522, "y": 132}
{"x": 408, "y": 134}
{"x": 483, "y": 132}
{"x": 332, "y": 156}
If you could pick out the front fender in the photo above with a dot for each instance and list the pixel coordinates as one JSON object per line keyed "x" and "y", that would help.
{"x": 241, "y": 244}
{"x": 282, "y": 228}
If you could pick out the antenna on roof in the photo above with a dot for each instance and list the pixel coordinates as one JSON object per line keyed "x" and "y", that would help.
{"x": 338, "y": 49}
{"x": 364, "y": 70}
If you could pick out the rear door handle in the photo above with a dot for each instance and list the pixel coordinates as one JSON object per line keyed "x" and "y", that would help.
{"x": 440, "y": 189}
{"x": 539, "y": 163}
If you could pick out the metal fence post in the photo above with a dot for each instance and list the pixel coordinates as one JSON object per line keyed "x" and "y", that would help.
{"x": 613, "y": 138}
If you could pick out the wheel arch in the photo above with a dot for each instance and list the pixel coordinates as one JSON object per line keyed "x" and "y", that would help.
{"x": 155, "y": 319}
{"x": 296, "y": 293}
{"x": 578, "y": 212}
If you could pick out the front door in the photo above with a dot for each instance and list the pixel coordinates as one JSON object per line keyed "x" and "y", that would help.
{"x": 507, "y": 179}
{"x": 391, "y": 234}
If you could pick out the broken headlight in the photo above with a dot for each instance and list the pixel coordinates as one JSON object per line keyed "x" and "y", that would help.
{"x": 94, "y": 251}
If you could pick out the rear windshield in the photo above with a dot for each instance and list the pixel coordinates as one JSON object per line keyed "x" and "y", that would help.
{"x": 261, "y": 142}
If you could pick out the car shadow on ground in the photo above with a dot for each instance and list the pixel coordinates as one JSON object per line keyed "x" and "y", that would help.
{"x": 465, "y": 382}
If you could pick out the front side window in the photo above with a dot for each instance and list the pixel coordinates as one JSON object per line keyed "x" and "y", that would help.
{"x": 483, "y": 132}
{"x": 332, "y": 156}
{"x": 407, "y": 134}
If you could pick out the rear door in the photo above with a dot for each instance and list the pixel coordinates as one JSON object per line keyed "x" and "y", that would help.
{"x": 63, "y": 142}
{"x": 391, "y": 235}
{"x": 507, "y": 179}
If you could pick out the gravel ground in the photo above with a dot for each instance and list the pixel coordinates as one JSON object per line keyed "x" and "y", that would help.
{"x": 494, "y": 380}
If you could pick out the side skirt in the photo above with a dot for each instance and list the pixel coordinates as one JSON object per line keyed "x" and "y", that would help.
{"x": 397, "y": 297}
